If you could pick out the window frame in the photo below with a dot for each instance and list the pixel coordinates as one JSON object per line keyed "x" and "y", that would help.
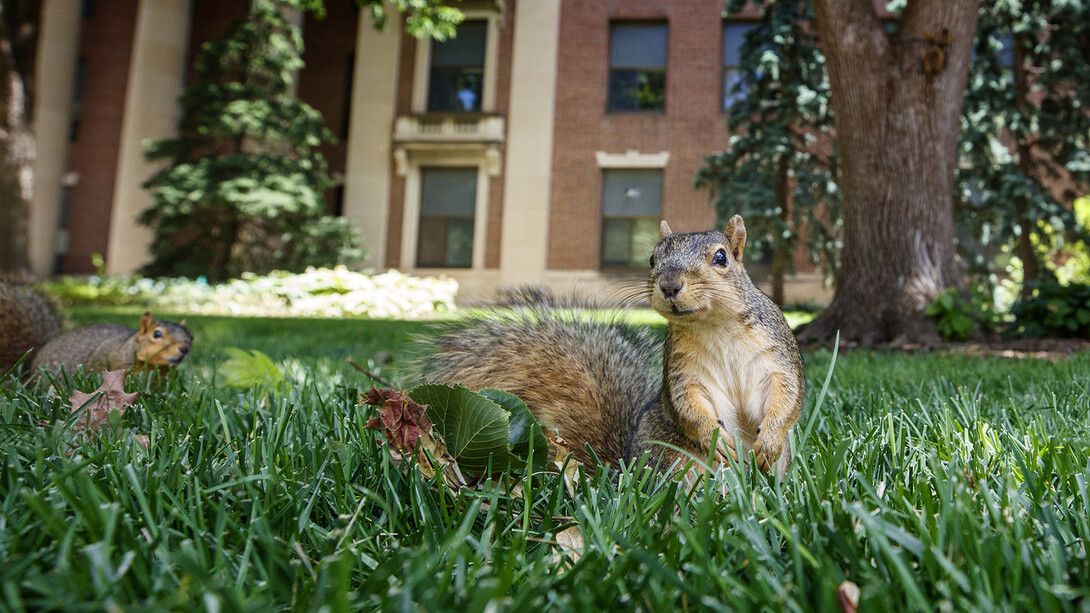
{"x": 422, "y": 66}
{"x": 662, "y": 22}
{"x": 472, "y": 172}
{"x": 631, "y": 263}
{"x": 413, "y": 203}
{"x": 725, "y": 95}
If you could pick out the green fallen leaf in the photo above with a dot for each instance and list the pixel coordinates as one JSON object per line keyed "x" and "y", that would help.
{"x": 524, "y": 432}
{"x": 475, "y": 429}
{"x": 249, "y": 368}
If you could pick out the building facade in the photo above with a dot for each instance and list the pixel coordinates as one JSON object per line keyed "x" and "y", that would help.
{"x": 542, "y": 144}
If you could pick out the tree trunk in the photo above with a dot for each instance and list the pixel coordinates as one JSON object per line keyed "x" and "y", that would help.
{"x": 18, "y": 39}
{"x": 781, "y": 249}
{"x": 897, "y": 113}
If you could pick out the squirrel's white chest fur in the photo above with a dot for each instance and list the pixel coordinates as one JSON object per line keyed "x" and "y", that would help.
{"x": 737, "y": 380}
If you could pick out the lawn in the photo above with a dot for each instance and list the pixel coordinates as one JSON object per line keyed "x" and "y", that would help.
{"x": 933, "y": 482}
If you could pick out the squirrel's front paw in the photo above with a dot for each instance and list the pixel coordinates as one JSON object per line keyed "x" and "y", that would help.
{"x": 766, "y": 450}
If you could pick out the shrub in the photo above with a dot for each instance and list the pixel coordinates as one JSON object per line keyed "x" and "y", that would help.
{"x": 1054, "y": 310}
{"x": 321, "y": 292}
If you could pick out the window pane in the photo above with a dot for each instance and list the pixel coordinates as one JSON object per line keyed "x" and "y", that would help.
{"x": 734, "y": 34}
{"x": 448, "y": 202}
{"x": 732, "y": 79}
{"x": 616, "y": 240}
{"x": 632, "y": 192}
{"x": 637, "y": 90}
{"x": 431, "y": 244}
{"x": 634, "y": 45}
{"x": 448, "y": 191}
{"x": 457, "y": 70}
{"x": 455, "y": 89}
{"x": 460, "y": 242}
{"x": 465, "y": 49}
{"x": 645, "y": 235}
{"x": 631, "y": 210}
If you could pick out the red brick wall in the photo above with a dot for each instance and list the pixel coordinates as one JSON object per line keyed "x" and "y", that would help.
{"x": 325, "y": 83}
{"x": 105, "y": 48}
{"x": 406, "y": 63}
{"x": 503, "y": 96}
{"x": 691, "y": 127}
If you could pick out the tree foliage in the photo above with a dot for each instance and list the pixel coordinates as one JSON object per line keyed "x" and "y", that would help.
{"x": 780, "y": 166}
{"x": 1023, "y": 146}
{"x": 423, "y": 18}
{"x": 1025, "y": 135}
{"x": 243, "y": 186}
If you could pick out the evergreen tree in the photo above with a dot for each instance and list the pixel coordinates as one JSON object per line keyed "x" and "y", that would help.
{"x": 243, "y": 186}
{"x": 1025, "y": 132}
{"x": 778, "y": 171}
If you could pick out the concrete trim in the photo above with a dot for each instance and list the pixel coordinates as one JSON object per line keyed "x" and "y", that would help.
{"x": 370, "y": 123}
{"x": 156, "y": 76}
{"x": 632, "y": 159}
{"x": 58, "y": 49}
{"x": 524, "y": 239}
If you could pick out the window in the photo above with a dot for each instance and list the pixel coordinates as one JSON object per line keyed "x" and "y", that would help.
{"x": 637, "y": 67}
{"x": 456, "y": 80}
{"x": 631, "y": 210}
{"x": 1006, "y": 53}
{"x": 734, "y": 34}
{"x": 448, "y": 200}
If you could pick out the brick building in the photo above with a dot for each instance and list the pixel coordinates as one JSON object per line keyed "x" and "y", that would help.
{"x": 543, "y": 144}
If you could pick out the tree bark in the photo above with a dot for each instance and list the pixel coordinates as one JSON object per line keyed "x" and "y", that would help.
{"x": 781, "y": 250}
{"x": 18, "y": 41}
{"x": 897, "y": 124}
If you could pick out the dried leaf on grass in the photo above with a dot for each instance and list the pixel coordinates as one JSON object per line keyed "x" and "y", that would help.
{"x": 565, "y": 463}
{"x": 570, "y": 542}
{"x": 97, "y": 405}
{"x": 409, "y": 431}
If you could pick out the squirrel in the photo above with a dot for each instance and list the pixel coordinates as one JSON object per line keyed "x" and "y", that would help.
{"x": 730, "y": 362}
{"x": 28, "y": 323}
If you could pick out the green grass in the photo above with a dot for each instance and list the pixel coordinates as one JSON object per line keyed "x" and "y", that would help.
{"x": 932, "y": 482}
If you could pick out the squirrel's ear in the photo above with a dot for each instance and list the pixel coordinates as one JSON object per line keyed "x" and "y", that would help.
{"x": 736, "y": 237}
{"x": 182, "y": 323}
{"x": 664, "y": 229}
{"x": 146, "y": 322}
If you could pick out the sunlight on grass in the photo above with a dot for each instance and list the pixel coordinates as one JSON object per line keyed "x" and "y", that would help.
{"x": 933, "y": 482}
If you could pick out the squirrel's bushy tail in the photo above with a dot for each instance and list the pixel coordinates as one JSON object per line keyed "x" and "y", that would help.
{"x": 27, "y": 321}
{"x": 583, "y": 372}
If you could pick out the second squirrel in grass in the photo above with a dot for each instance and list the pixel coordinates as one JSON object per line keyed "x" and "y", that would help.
{"x": 730, "y": 362}
{"x": 27, "y": 323}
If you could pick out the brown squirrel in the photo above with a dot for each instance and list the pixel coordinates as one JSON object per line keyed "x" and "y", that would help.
{"x": 730, "y": 361}
{"x": 28, "y": 323}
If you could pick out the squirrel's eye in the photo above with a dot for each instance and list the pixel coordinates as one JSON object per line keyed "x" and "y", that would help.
{"x": 720, "y": 258}
{"x": 157, "y": 334}
{"x": 652, "y": 261}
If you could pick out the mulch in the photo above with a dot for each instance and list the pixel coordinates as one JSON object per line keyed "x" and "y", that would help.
{"x": 1035, "y": 348}
{"x": 1031, "y": 348}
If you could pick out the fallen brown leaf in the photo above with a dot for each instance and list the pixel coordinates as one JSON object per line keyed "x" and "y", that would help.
{"x": 408, "y": 431}
{"x": 97, "y": 405}
{"x": 570, "y": 542}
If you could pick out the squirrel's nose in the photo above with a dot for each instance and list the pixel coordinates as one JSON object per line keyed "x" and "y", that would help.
{"x": 670, "y": 288}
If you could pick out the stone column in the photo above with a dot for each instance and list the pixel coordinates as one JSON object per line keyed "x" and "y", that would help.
{"x": 367, "y": 167}
{"x": 156, "y": 78}
{"x": 525, "y": 236}
{"x": 58, "y": 48}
